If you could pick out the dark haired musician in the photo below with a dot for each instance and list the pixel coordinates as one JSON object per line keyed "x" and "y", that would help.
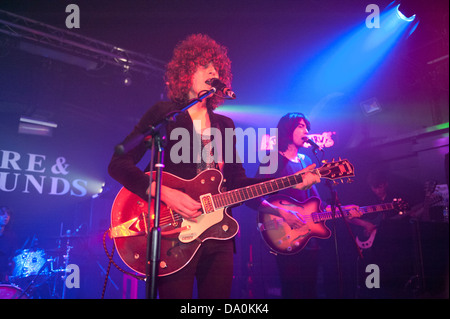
{"x": 297, "y": 271}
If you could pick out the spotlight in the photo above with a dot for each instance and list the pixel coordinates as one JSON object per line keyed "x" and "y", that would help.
{"x": 127, "y": 76}
{"x": 127, "y": 81}
{"x": 403, "y": 17}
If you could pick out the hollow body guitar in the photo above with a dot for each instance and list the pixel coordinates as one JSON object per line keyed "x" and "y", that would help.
{"x": 181, "y": 238}
{"x": 283, "y": 239}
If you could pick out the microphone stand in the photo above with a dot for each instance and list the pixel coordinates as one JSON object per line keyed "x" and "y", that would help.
{"x": 335, "y": 203}
{"x": 157, "y": 136}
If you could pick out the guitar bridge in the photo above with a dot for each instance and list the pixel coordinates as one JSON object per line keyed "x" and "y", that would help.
{"x": 207, "y": 203}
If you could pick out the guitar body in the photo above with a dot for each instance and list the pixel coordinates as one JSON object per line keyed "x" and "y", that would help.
{"x": 280, "y": 237}
{"x": 180, "y": 239}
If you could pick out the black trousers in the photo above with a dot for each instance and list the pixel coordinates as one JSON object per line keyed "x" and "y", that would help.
{"x": 212, "y": 266}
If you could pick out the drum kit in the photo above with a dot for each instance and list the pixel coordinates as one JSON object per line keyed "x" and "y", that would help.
{"x": 34, "y": 268}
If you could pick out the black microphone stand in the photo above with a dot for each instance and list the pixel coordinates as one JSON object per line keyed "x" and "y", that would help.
{"x": 335, "y": 203}
{"x": 156, "y": 135}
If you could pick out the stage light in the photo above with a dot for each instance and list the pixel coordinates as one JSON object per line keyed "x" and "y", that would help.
{"x": 402, "y": 16}
{"x": 99, "y": 190}
{"x": 36, "y": 127}
{"x": 127, "y": 80}
{"x": 352, "y": 59}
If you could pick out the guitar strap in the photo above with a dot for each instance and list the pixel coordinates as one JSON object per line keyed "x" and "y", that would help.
{"x": 302, "y": 161}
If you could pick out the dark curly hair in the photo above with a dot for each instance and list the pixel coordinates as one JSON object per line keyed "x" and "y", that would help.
{"x": 286, "y": 126}
{"x": 196, "y": 50}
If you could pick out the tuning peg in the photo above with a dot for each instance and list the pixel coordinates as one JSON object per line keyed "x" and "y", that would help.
{"x": 324, "y": 161}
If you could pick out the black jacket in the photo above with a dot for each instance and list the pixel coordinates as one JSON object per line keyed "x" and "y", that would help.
{"x": 123, "y": 167}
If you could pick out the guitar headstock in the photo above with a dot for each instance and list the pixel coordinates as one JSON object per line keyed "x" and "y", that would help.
{"x": 337, "y": 170}
{"x": 400, "y": 205}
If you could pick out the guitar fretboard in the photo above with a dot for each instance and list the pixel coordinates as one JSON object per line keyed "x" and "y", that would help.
{"x": 322, "y": 216}
{"x": 246, "y": 193}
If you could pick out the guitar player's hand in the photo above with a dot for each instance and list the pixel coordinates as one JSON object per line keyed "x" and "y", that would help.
{"x": 179, "y": 202}
{"x": 310, "y": 177}
{"x": 353, "y": 211}
{"x": 366, "y": 225}
{"x": 293, "y": 220}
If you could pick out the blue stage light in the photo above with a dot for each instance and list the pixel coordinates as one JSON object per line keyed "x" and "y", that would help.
{"x": 402, "y": 16}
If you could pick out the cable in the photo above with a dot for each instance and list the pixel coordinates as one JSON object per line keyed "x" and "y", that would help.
{"x": 111, "y": 262}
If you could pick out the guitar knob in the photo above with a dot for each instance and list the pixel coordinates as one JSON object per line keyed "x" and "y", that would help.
{"x": 163, "y": 264}
{"x": 225, "y": 228}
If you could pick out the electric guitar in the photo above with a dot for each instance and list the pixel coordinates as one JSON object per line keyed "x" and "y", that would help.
{"x": 282, "y": 239}
{"x": 419, "y": 211}
{"x": 181, "y": 238}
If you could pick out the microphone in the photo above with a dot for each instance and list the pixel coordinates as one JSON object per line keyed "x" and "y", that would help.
{"x": 220, "y": 86}
{"x": 312, "y": 143}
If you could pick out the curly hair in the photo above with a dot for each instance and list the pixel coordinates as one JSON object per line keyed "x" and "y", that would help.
{"x": 286, "y": 126}
{"x": 196, "y": 50}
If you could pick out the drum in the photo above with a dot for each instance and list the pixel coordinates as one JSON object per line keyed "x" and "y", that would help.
{"x": 27, "y": 265}
{"x": 11, "y": 292}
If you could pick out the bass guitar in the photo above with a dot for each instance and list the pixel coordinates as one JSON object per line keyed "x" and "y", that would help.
{"x": 181, "y": 238}
{"x": 282, "y": 239}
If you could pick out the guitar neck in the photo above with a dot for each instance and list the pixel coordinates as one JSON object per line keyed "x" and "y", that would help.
{"x": 250, "y": 192}
{"x": 331, "y": 171}
{"x": 323, "y": 216}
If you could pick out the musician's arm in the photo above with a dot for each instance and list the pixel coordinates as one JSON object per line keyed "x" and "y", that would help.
{"x": 123, "y": 167}
{"x": 293, "y": 219}
{"x": 366, "y": 225}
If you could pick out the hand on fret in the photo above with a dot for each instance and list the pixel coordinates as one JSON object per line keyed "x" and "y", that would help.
{"x": 310, "y": 176}
{"x": 180, "y": 203}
